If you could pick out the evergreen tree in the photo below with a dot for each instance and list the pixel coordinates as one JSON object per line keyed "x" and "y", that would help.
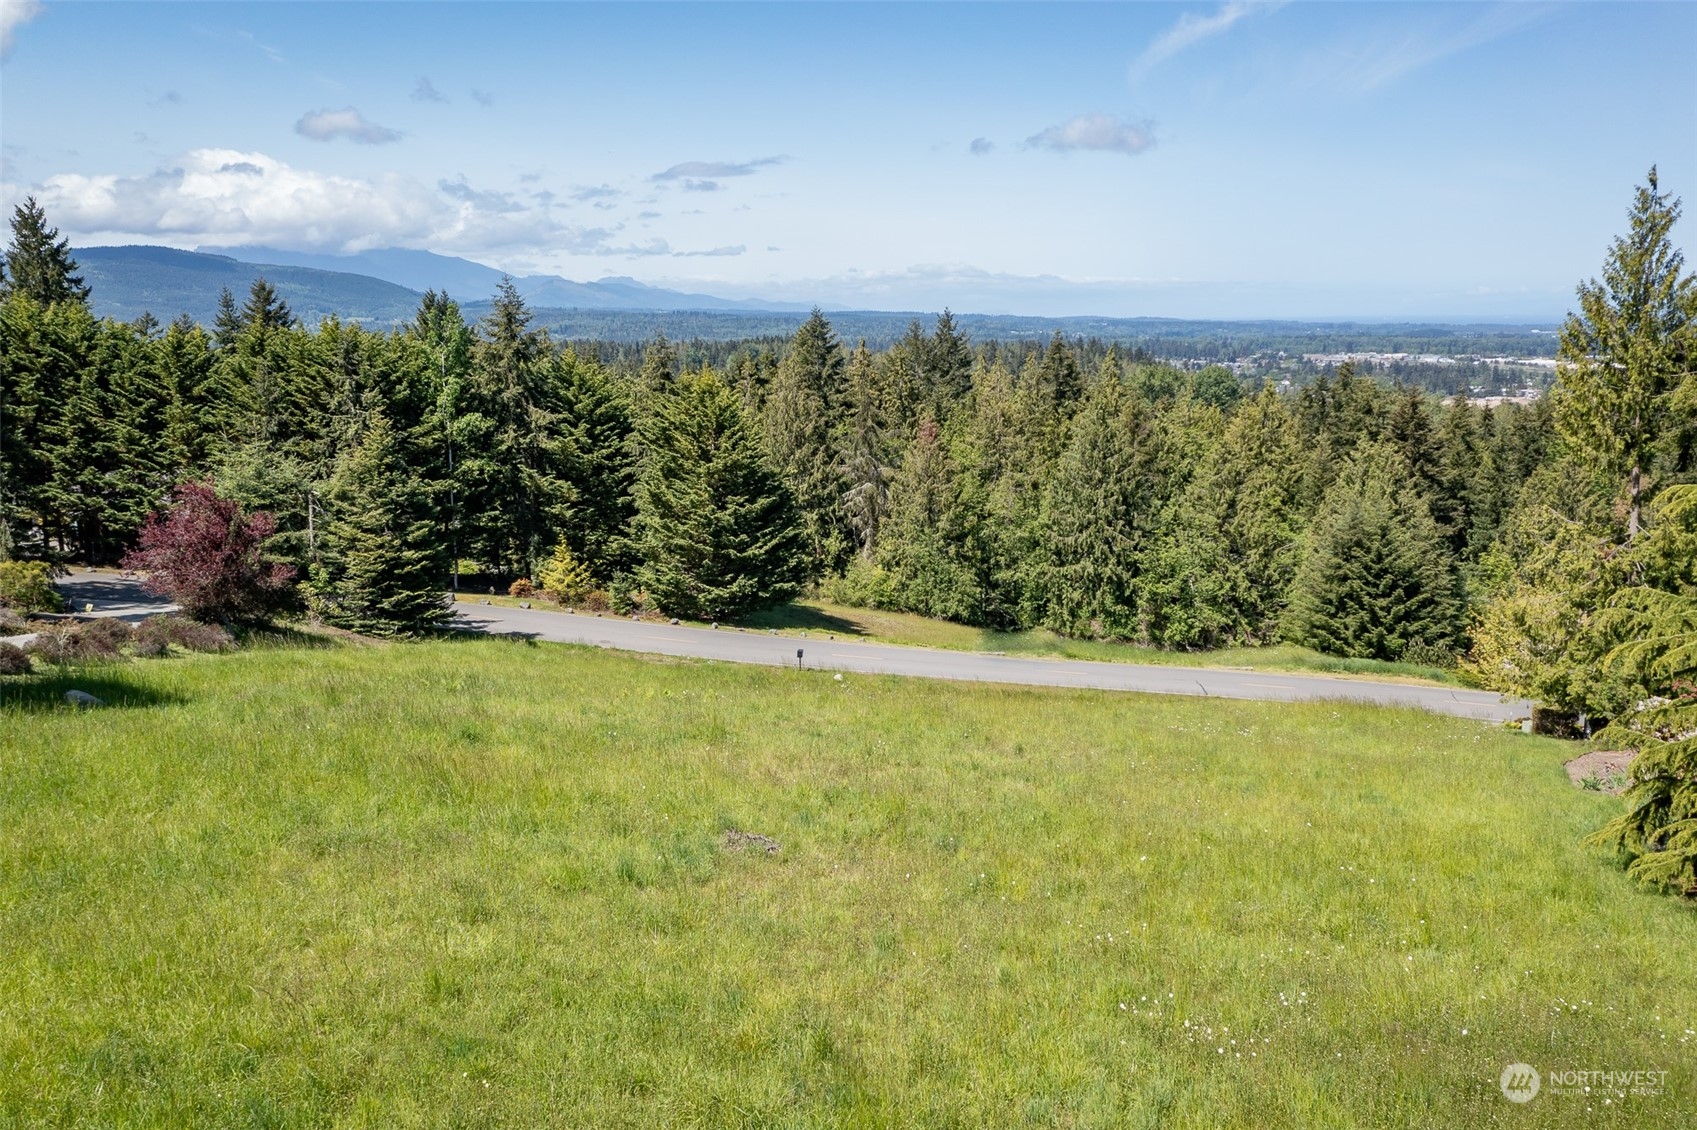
{"x": 1223, "y": 563}
{"x": 932, "y": 540}
{"x": 599, "y": 467}
{"x": 716, "y": 528}
{"x": 380, "y": 562}
{"x": 514, "y": 454}
{"x": 264, "y": 310}
{"x": 801, "y": 408}
{"x": 1097, "y": 511}
{"x": 38, "y": 262}
{"x": 227, "y": 323}
{"x": 1652, "y": 626}
{"x": 865, "y": 454}
{"x": 659, "y": 366}
{"x": 1375, "y": 578}
{"x": 948, "y": 362}
{"x": 1626, "y": 382}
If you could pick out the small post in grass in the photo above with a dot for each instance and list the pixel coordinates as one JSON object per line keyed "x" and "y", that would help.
{"x": 798, "y": 659}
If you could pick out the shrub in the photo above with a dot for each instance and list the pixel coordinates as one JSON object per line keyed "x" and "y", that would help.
{"x": 1422, "y": 654}
{"x": 862, "y": 585}
{"x": 522, "y": 588}
{"x": 13, "y": 661}
{"x": 152, "y": 638}
{"x": 101, "y": 639}
{"x": 595, "y": 600}
{"x": 190, "y": 635}
{"x": 206, "y": 555}
{"x": 564, "y": 577}
{"x": 52, "y": 644}
{"x": 28, "y": 587}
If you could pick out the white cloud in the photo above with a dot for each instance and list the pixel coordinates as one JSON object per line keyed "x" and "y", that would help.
{"x": 1101, "y": 132}
{"x": 704, "y": 171}
{"x": 426, "y": 91}
{"x": 232, "y": 198}
{"x": 1192, "y": 29}
{"x": 14, "y": 14}
{"x": 327, "y": 125}
{"x": 981, "y": 146}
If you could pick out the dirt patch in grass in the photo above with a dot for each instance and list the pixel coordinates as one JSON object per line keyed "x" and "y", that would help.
{"x": 1602, "y": 770}
{"x": 751, "y": 841}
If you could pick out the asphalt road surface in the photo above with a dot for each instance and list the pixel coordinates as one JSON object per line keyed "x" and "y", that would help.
{"x": 820, "y": 652}
{"x": 111, "y": 594}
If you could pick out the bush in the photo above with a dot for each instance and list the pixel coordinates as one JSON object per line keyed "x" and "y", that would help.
{"x": 103, "y": 639}
{"x": 1422, "y": 654}
{"x": 206, "y": 555}
{"x": 191, "y": 635}
{"x": 522, "y": 588}
{"x": 862, "y": 585}
{"x": 152, "y": 638}
{"x": 28, "y": 587}
{"x": 13, "y": 661}
{"x": 595, "y": 600}
{"x": 564, "y": 577}
{"x": 52, "y": 644}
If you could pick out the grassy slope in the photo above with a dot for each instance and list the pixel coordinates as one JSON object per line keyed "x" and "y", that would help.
{"x": 481, "y": 883}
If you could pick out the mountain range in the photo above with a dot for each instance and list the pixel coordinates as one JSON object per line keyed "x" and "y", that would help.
{"x": 379, "y": 287}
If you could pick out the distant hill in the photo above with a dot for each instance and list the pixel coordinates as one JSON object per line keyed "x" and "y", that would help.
{"x": 129, "y": 281}
{"x": 467, "y": 282}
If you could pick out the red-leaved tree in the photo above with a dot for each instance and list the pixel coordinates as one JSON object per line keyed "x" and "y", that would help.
{"x": 204, "y": 554}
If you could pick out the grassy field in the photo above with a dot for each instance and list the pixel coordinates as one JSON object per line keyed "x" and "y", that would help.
{"x": 813, "y": 615}
{"x": 483, "y": 883}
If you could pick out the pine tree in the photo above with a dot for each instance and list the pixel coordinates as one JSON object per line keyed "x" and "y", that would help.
{"x": 865, "y": 454}
{"x": 514, "y": 454}
{"x": 227, "y": 324}
{"x": 38, "y": 262}
{"x": 264, "y": 310}
{"x": 599, "y": 467}
{"x": 1223, "y": 563}
{"x": 1097, "y": 511}
{"x": 1629, "y": 351}
{"x": 801, "y": 409}
{"x": 716, "y": 528}
{"x": 1653, "y": 628}
{"x": 659, "y": 366}
{"x": 1375, "y": 578}
{"x": 380, "y": 562}
{"x": 931, "y": 544}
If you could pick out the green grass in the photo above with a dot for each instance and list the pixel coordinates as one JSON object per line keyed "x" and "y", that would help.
{"x": 482, "y": 883}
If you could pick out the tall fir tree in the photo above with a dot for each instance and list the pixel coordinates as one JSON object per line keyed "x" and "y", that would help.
{"x": 1375, "y": 578}
{"x": 717, "y": 530}
{"x": 1628, "y": 375}
{"x": 1097, "y": 513}
{"x": 801, "y": 410}
{"x": 38, "y": 261}
{"x": 379, "y": 565}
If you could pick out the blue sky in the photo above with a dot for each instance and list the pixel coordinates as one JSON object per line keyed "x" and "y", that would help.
{"x": 1205, "y": 160}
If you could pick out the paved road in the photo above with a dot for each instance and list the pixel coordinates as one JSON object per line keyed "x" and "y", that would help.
{"x": 110, "y": 594}
{"x": 103, "y": 594}
{"x": 123, "y": 597}
{"x": 885, "y": 659}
